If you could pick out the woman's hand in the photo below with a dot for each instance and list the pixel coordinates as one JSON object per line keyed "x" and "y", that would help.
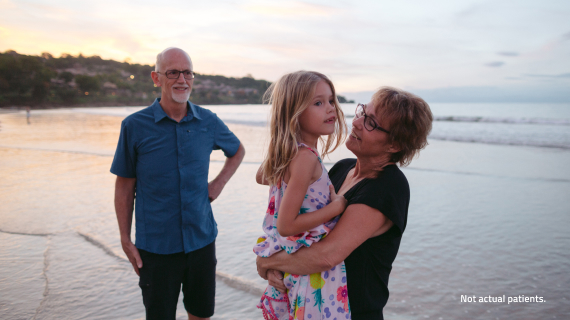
{"x": 335, "y": 197}
{"x": 358, "y": 223}
{"x": 275, "y": 278}
{"x": 262, "y": 271}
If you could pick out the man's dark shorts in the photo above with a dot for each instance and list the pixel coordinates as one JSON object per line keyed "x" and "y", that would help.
{"x": 162, "y": 275}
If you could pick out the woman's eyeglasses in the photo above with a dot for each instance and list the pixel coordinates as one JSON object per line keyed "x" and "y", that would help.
{"x": 369, "y": 123}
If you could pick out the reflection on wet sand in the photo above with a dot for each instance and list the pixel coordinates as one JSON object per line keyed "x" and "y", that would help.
{"x": 484, "y": 220}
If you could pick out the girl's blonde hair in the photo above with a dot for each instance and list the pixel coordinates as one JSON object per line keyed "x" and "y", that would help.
{"x": 289, "y": 97}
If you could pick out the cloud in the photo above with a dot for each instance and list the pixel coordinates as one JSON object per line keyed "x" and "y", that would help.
{"x": 292, "y": 9}
{"x": 553, "y": 76}
{"x": 508, "y": 53}
{"x": 360, "y": 45}
{"x": 473, "y": 10}
{"x": 495, "y": 64}
{"x": 514, "y": 93}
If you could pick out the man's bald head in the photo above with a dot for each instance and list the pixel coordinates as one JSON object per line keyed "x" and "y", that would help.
{"x": 170, "y": 53}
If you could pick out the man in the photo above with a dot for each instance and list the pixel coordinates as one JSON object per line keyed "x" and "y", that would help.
{"x": 163, "y": 153}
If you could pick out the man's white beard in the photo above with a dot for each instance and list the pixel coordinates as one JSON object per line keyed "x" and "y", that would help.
{"x": 181, "y": 98}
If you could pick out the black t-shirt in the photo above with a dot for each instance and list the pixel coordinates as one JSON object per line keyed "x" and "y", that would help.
{"x": 368, "y": 266}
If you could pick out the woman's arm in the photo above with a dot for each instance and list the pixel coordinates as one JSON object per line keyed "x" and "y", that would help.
{"x": 358, "y": 223}
{"x": 303, "y": 170}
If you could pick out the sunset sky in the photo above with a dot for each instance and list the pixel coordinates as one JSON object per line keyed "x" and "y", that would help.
{"x": 421, "y": 45}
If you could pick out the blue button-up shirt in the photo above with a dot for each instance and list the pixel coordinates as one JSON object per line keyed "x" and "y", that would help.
{"x": 170, "y": 161}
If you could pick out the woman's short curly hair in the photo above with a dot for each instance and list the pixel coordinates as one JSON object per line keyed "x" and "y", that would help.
{"x": 409, "y": 118}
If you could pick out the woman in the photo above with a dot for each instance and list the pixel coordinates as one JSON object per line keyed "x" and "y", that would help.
{"x": 389, "y": 130}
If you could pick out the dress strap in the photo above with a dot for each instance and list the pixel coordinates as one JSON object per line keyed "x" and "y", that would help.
{"x": 313, "y": 151}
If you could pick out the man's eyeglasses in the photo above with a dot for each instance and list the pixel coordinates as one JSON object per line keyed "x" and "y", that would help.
{"x": 174, "y": 74}
{"x": 369, "y": 123}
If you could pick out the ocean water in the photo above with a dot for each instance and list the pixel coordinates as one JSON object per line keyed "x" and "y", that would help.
{"x": 489, "y": 216}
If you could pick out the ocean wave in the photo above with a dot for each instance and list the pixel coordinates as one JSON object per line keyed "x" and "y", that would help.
{"x": 240, "y": 283}
{"x": 543, "y": 121}
{"x": 467, "y": 173}
{"x": 542, "y": 144}
{"x": 556, "y": 122}
{"x": 538, "y": 121}
{"x": 253, "y": 123}
{"x": 27, "y": 233}
{"x": 99, "y": 154}
{"x": 235, "y": 282}
{"x": 260, "y": 119}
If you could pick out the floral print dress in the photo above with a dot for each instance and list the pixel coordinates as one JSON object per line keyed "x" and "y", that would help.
{"x": 317, "y": 296}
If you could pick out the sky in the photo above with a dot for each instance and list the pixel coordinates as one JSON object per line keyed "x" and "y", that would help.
{"x": 465, "y": 49}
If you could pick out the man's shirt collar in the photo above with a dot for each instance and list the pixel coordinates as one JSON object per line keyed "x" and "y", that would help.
{"x": 159, "y": 113}
{"x": 193, "y": 111}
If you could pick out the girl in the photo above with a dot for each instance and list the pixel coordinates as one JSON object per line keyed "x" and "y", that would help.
{"x": 302, "y": 201}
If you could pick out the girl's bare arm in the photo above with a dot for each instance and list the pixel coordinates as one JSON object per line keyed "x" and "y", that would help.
{"x": 302, "y": 172}
{"x": 259, "y": 176}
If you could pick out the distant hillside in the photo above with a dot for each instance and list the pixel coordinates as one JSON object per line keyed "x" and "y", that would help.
{"x": 46, "y": 81}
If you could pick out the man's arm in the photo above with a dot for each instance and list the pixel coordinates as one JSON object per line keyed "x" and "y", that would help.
{"x": 124, "y": 204}
{"x": 358, "y": 223}
{"x": 216, "y": 186}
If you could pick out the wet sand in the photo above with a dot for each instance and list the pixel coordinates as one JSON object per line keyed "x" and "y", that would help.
{"x": 484, "y": 220}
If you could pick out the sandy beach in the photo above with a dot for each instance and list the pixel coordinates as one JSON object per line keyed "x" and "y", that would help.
{"x": 485, "y": 219}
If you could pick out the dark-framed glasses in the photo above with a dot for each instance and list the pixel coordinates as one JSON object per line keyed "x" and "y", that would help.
{"x": 174, "y": 74}
{"x": 369, "y": 123}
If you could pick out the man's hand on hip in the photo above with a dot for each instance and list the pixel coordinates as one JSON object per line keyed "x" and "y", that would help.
{"x": 133, "y": 254}
{"x": 215, "y": 187}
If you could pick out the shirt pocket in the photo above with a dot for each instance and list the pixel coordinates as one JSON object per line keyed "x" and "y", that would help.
{"x": 199, "y": 143}
{"x": 205, "y": 133}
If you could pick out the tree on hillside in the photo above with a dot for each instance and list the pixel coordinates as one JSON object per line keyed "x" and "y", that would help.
{"x": 87, "y": 83}
{"x": 24, "y": 78}
{"x": 66, "y": 76}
